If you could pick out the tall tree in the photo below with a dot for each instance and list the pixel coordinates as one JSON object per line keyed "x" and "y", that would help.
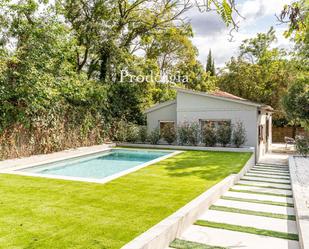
{"x": 210, "y": 64}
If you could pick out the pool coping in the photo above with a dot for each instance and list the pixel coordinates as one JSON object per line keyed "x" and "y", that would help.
{"x": 14, "y": 169}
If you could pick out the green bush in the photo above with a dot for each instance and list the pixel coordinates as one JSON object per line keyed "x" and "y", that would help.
{"x": 209, "y": 136}
{"x": 154, "y": 136}
{"x": 168, "y": 132}
{"x": 143, "y": 133}
{"x": 132, "y": 133}
{"x": 239, "y": 134}
{"x": 224, "y": 133}
{"x": 302, "y": 146}
{"x": 193, "y": 133}
{"x": 187, "y": 133}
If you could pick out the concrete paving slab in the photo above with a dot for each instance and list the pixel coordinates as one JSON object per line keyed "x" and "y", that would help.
{"x": 259, "y": 222}
{"x": 267, "y": 176}
{"x": 264, "y": 179}
{"x": 265, "y": 184}
{"x": 256, "y": 207}
{"x": 259, "y": 197}
{"x": 270, "y": 169}
{"x": 269, "y": 173}
{"x": 263, "y": 190}
{"x": 235, "y": 240}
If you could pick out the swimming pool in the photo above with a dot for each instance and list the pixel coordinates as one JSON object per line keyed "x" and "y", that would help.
{"x": 100, "y": 167}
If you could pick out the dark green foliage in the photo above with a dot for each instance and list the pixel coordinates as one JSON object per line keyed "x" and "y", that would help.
{"x": 168, "y": 132}
{"x": 224, "y": 133}
{"x": 154, "y": 136}
{"x": 302, "y": 146}
{"x": 210, "y": 65}
{"x": 296, "y": 102}
{"x": 209, "y": 136}
{"x": 239, "y": 134}
{"x": 143, "y": 134}
{"x": 188, "y": 133}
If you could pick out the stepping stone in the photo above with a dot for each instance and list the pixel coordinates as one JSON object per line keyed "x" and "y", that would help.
{"x": 256, "y": 207}
{"x": 270, "y": 169}
{"x": 246, "y": 220}
{"x": 263, "y": 190}
{"x": 259, "y": 197}
{"x": 232, "y": 239}
{"x": 267, "y": 176}
{"x": 269, "y": 173}
{"x": 252, "y": 178}
{"x": 264, "y": 184}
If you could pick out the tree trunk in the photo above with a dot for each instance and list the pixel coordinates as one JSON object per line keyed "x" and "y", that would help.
{"x": 105, "y": 55}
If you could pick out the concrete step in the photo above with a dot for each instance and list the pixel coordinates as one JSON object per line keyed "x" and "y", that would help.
{"x": 259, "y": 197}
{"x": 265, "y": 184}
{"x": 256, "y": 207}
{"x": 259, "y": 222}
{"x": 271, "y": 169}
{"x": 263, "y": 190}
{"x": 267, "y": 176}
{"x": 265, "y": 179}
{"x": 269, "y": 173}
{"x": 232, "y": 239}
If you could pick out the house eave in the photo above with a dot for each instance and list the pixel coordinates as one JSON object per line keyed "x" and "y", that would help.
{"x": 159, "y": 106}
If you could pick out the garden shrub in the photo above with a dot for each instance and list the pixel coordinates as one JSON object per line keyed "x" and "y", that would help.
{"x": 209, "y": 136}
{"x": 302, "y": 145}
{"x": 193, "y": 133}
{"x": 239, "y": 134}
{"x": 132, "y": 133}
{"x": 168, "y": 132}
{"x": 143, "y": 133}
{"x": 224, "y": 133}
{"x": 188, "y": 133}
{"x": 154, "y": 136}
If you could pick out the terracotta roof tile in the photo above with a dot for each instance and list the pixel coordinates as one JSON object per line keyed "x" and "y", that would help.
{"x": 225, "y": 95}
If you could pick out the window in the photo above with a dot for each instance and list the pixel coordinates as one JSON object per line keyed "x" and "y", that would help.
{"x": 164, "y": 124}
{"x": 261, "y": 133}
{"x": 214, "y": 123}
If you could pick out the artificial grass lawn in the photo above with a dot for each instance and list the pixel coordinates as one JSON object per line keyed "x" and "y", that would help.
{"x": 49, "y": 213}
{"x": 252, "y": 230}
{"x": 184, "y": 244}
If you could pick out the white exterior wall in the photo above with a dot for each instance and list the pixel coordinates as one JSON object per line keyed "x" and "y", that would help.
{"x": 192, "y": 108}
{"x": 263, "y": 147}
{"x": 166, "y": 113}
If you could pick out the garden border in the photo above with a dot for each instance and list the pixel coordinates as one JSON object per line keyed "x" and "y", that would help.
{"x": 162, "y": 234}
{"x": 186, "y": 147}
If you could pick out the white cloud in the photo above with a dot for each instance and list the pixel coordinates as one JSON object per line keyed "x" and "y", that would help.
{"x": 211, "y": 32}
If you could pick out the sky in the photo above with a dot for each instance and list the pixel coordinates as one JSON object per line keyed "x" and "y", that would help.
{"x": 211, "y": 33}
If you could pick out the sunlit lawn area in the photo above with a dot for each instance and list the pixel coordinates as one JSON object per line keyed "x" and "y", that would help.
{"x": 48, "y": 213}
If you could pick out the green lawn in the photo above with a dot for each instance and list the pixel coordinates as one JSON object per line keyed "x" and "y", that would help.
{"x": 47, "y": 213}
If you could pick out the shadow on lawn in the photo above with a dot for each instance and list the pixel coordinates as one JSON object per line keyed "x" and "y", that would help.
{"x": 210, "y": 167}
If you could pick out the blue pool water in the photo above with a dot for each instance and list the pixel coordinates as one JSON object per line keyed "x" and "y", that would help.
{"x": 98, "y": 166}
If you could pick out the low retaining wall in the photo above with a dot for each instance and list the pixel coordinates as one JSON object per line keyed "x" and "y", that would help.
{"x": 299, "y": 171}
{"x": 178, "y": 147}
{"x": 162, "y": 234}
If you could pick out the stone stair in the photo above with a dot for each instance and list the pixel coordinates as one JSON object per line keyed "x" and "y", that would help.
{"x": 255, "y": 213}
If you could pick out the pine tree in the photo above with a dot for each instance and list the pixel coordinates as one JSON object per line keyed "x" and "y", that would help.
{"x": 209, "y": 62}
{"x": 213, "y": 69}
{"x": 210, "y": 65}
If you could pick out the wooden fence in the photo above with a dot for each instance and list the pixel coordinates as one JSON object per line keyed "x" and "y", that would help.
{"x": 278, "y": 133}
